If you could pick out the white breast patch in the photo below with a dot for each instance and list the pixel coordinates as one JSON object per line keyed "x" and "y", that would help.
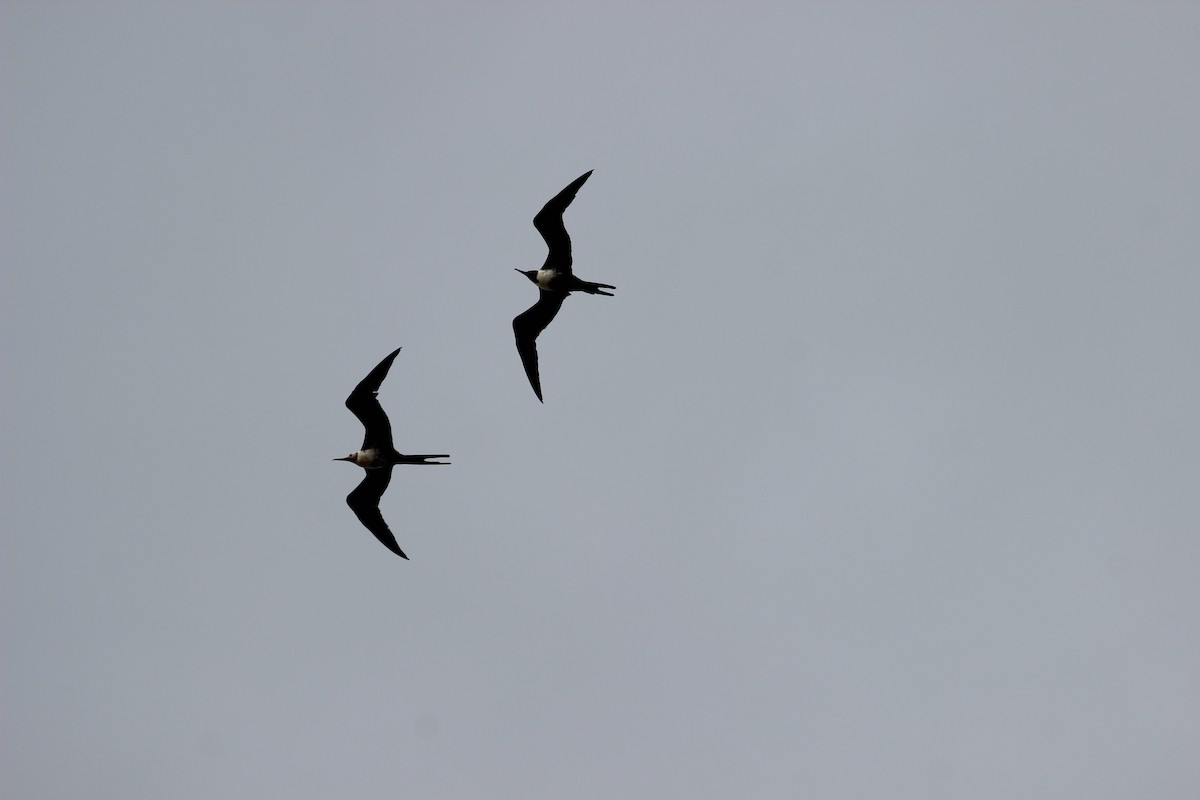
{"x": 544, "y": 276}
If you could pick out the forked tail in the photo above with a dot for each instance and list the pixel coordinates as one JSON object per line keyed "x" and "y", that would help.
{"x": 423, "y": 459}
{"x": 597, "y": 288}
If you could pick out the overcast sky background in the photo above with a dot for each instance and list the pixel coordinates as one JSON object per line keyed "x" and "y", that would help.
{"x": 878, "y": 478}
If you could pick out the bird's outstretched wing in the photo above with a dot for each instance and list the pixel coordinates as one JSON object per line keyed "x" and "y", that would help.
{"x": 526, "y": 327}
{"x": 364, "y": 405}
{"x": 364, "y": 502}
{"x": 549, "y": 222}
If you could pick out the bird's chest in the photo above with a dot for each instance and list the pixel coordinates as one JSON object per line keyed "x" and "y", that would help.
{"x": 368, "y": 459}
{"x": 547, "y": 279}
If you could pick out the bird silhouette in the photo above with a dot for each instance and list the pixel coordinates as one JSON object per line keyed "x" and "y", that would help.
{"x": 377, "y": 455}
{"x": 555, "y": 280}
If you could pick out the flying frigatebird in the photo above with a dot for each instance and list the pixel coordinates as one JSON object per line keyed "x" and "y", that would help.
{"x": 555, "y": 280}
{"x": 377, "y": 455}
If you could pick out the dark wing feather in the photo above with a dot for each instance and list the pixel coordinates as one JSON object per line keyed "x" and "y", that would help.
{"x": 364, "y": 405}
{"x": 526, "y": 327}
{"x": 549, "y": 222}
{"x": 364, "y": 502}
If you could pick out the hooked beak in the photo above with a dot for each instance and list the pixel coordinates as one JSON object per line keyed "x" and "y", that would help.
{"x": 345, "y": 458}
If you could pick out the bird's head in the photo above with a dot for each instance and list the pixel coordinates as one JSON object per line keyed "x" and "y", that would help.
{"x": 528, "y": 273}
{"x": 351, "y": 458}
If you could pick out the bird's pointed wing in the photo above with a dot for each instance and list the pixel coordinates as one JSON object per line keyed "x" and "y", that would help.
{"x": 549, "y": 222}
{"x": 364, "y": 502}
{"x": 526, "y": 327}
{"x": 364, "y": 405}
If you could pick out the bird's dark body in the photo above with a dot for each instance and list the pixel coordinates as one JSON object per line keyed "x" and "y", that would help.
{"x": 377, "y": 455}
{"x": 555, "y": 280}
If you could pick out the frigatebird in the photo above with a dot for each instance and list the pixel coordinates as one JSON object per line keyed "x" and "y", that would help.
{"x": 555, "y": 280}
{"x": 377, "y": 455}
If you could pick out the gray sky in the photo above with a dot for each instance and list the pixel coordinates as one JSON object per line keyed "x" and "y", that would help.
{"x": 876, "y": 479}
